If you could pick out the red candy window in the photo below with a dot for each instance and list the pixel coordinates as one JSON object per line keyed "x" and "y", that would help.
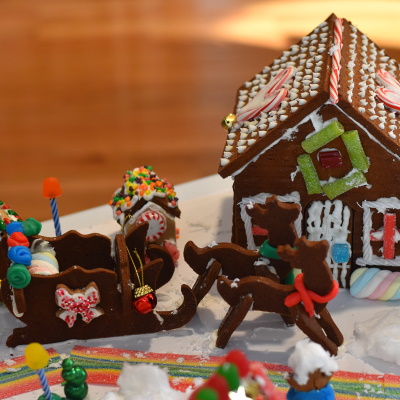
{"x": 330, "y": 158}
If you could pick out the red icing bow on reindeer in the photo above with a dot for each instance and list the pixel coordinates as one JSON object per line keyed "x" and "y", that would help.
{"x": 390, "y": 93}
{"x": 78, "y": 301}
{"x": 268, "y": 98}
{"x": 308, "y": 297}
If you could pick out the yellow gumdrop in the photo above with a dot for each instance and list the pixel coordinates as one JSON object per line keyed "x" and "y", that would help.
{"x": 36, "y": 356}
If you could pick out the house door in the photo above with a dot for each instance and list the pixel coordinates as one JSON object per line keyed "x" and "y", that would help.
{"x": 332, "y": 221}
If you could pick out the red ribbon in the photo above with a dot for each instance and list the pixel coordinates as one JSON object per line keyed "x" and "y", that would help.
{"x": 308, "y": 297}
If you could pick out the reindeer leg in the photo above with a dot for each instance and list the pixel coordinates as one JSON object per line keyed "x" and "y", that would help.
{"x": 232, "y": 320}
{"x": 311, "y": 327}
{"x": 204, "y": 282}
{"x": 330, "y": 328}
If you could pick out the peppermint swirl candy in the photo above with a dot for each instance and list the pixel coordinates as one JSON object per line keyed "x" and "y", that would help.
{"x": 375, "y": 284}
{"x": 18, "y": 276}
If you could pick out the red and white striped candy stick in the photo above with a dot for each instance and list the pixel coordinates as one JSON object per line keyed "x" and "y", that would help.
{"x": 390, "y": 98}
{"x": 268, "y": 97}
{"x": 388, "y": 80}
{"x": 279, "y": 79}
{"x": 263, "y": 103}
{"x": 336, "y": 55}
{"x": 390, "y": 93}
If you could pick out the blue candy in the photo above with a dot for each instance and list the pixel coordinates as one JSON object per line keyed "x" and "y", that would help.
{"x": 20, "y": 255}
{"x": 14, "y": 226}
{"x": 340, "y": 252}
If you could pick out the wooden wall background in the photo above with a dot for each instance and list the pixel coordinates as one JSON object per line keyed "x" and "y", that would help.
{"x": 89, "y": 89}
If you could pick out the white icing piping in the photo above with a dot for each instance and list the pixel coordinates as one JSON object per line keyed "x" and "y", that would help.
{"x": 288, "y": 135}
{"x": 260, "y": 198}
{"x": 330, "y": 221}
{"x": 381, "y": 205}
{"x": 14, "y": 307}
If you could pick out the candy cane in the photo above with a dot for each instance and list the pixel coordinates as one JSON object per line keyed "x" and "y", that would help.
{"x": 336, "y": 55}
{"x": 390, "y": 93}
{"x": 388, "y": 80}
{"x": 261, "y": 102}
{"x": 268, "y": 97}
{"x": 389, "y": 98}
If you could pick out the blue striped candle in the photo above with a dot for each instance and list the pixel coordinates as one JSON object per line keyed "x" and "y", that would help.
{"x": 45, "y": 384}
{"x": 56, "y": 218}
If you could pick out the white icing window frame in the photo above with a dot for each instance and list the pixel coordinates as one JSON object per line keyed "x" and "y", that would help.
{"x": 381, "y": 205}
{"x": 260, "y": 198}
{"x": 334, "y": 228}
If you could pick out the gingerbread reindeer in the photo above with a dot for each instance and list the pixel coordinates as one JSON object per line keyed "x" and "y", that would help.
{"x": 236, "y": 262}
{"x": 304, "y": 301}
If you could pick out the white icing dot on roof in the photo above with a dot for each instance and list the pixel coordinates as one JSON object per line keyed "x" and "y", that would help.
{"x": 392, "y": 135}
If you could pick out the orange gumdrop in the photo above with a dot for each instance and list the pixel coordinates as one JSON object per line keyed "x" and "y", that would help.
{"x": 51, "y": 188}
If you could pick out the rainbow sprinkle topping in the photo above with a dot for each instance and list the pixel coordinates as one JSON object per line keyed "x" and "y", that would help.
{"x": 144, "y": 183}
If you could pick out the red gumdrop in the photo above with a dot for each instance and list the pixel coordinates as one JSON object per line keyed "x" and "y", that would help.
{"x": 51, "y": 188}
{"x": 219, "y": 384}
{"x": 17, "y": 239}
{"x": 238, "y": 358}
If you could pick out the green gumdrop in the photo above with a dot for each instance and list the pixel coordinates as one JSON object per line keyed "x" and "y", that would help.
{"x": 322, "y": 137}
{"x": 340, "y": 186}
{"x": 230, "y": 372}
{"x": 207, "y": 394}
{"x": 31, "y": 227}
{"x": 76, "y": 392}
{"x": 18, "y": 276}
{"x": 354, "y": 147}
{"x": 309, "y": 174}
{"x": 2, "y": 225}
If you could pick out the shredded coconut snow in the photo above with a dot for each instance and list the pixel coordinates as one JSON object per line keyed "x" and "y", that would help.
{"x": 307, "y": 358}
{"x": 378, "y": 337}
{"x": 144, "y": 382}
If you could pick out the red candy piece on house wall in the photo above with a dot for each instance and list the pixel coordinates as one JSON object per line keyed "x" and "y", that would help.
{"x": 330, "y": 158}
{"x": 389, "y": 231}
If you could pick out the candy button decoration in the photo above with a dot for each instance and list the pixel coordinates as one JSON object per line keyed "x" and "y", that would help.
{"x": 15, "y": 226}
{"x": 20, "y": 255}
{"x": 157, "y": 224}
{"x": 31, "y": 227}
{"x": 17, "y": 239}
{"x": 18, "y": 276}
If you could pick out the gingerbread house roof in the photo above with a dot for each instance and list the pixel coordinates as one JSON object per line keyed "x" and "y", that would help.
{"x": 312, "y": 59}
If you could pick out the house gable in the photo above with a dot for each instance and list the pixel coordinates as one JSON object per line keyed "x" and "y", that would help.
{"x": 360, "y": 60}
{"x": 306, "y": 92}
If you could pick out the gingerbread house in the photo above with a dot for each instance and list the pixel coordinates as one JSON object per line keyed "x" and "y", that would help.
{"x": 320, "y": 127}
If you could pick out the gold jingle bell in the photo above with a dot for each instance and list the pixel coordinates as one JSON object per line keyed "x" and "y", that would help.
{"x": 228, "y": 121}
{"x": 142, "y": 290}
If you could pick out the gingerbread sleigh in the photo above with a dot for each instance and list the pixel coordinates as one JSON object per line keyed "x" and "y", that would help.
{"x": 94, "y": 295}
